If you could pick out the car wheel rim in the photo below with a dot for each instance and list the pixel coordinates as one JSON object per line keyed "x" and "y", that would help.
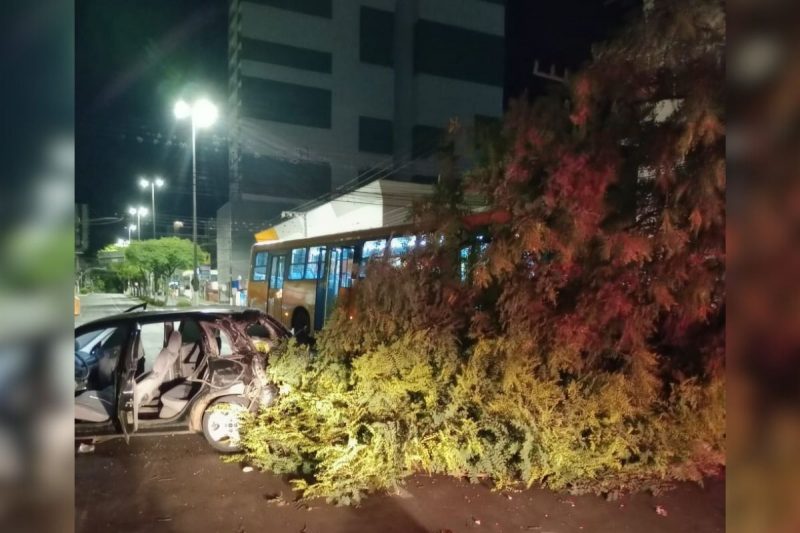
{"x": 223, "y": 423}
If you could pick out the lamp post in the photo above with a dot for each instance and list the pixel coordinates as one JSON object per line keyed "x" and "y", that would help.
{"x": 202, "y": 114}
{"x": 139, "y": 212}
{"x": 131, "y": 227}
{"x": 176, "y": 226}
{"x": 155, "y": 182}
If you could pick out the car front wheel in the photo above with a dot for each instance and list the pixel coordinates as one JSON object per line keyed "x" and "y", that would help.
{"x": 221, "y": 423}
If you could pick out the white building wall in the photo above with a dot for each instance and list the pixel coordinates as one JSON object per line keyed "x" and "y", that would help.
{"x": 357, "y": 89}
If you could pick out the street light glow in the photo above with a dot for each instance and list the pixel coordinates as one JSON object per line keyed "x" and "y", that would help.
{"x": 159, "y": 182}
{"x": 182, "y": 109}
{"x": 131, "y": 210}
{"x": 143, "y": 183}
{"x": 204, "y": 113}
{"x": 132, "y": 227}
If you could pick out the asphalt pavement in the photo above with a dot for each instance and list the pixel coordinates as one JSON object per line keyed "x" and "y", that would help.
{"x": 98, "y": 305}
{"x": 178, "y": 483}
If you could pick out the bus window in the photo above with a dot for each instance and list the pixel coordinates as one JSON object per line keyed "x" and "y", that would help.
{"x": 402, "y": 245}
{"x": 298, "y": 263}
{"x": 316, "y": 262}
{"x": 260, "y": 266}
{"x": 276, "y": 272}
{"x": 370, "y": 249}
{"x": 463, "y": 262}
{"x": 373, "y": 248}
{"x": 347, "y": 267}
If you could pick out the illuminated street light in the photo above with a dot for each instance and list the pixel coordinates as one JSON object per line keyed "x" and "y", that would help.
{"x": 203, "y": 113}
{"x": 131, "y": 227}
{"x": 155, "y": 182}
{"x": 139, "y": 212}
{"x": 177, "y": 225}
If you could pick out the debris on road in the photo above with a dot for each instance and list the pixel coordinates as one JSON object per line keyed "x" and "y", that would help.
{"x": 276, "y": 499}
{"x": 247, "y": 469}
{"x": 85, "y": 448}
{"x": 476, "y": 521}
{"x": 570, "y": 502}
{"x": 661, "y": 511}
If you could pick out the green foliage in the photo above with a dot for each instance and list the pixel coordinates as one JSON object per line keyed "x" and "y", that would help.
{"x": 345, "y": 429}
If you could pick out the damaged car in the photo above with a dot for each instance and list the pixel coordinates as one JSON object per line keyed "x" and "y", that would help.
{"x": 173, "y": 371}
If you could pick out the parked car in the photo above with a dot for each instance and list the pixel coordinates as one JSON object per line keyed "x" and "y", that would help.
{"x": 173, "y": 371}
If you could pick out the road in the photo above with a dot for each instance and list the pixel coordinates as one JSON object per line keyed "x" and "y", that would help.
{"x": 98, "y": 305}
{"x": 177, "y": 483}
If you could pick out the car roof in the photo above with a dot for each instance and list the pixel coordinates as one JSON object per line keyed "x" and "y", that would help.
{"x": 174, "y": 313}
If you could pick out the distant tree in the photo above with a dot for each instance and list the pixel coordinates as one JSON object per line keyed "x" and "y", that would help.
{"x": 163, "y": 257}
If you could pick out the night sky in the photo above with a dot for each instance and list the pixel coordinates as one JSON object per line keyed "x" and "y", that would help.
{"x": 134, "y": 58}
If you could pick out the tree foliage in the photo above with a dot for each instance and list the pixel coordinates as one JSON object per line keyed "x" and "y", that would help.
{"x": 585, "y": 350}
{"x": 163, "y": 257}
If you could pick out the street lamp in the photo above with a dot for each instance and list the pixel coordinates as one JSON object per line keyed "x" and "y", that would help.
{"x": 203, "y": 114}
{"x": 139, "y": 212}
{"x": 155, "y": 182}
{"x": 131, "y": 227}
{"x": 177, "y": 225}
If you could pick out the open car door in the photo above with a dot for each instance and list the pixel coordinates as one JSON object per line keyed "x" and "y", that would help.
{"x": 126, "y": 408}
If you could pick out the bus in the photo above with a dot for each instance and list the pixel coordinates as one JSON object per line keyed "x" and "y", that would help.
{"x": 299, "y": 281}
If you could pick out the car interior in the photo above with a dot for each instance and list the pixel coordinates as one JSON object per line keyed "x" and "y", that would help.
{"x": 171, "y": 365}
{"x": 96, "y": 358}
{"x": 175, "y": 375}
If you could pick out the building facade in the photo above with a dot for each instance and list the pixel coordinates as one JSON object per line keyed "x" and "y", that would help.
{"x": 325, "y": 95}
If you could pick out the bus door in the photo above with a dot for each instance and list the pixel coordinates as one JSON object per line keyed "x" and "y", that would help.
{"x": 277, "y": 270}
{"x": 338, "y": 277}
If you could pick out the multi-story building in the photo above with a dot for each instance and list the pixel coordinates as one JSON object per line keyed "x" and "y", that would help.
{"x": 326, "y": 94}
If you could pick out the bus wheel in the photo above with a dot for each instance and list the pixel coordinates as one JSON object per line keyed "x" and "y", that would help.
{"x": 301, "y": 324}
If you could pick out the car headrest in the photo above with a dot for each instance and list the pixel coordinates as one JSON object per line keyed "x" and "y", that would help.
{"x": 174, "y": 343}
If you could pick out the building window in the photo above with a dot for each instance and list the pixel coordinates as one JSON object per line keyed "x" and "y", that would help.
{"x": 376, "y": 40}
{"x": 458, "y": 53}
{"x": 375, "y": 135}
{"x": 289, "y": 103}
{"x": 285, "y": 55}
{"x": 260, "y": 266}
{"x": 317, "y": 8}
{"x": 426, "y": 140}
{"x": 487, "y": 129}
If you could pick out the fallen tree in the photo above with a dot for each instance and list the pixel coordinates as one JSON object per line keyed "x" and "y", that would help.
{"x": 582, "y": 349}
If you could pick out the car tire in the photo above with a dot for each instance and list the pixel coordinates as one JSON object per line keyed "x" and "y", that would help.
{"x": 221, "y": 424}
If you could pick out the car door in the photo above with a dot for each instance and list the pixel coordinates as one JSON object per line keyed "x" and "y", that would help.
{"x": 126, "y": 410}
